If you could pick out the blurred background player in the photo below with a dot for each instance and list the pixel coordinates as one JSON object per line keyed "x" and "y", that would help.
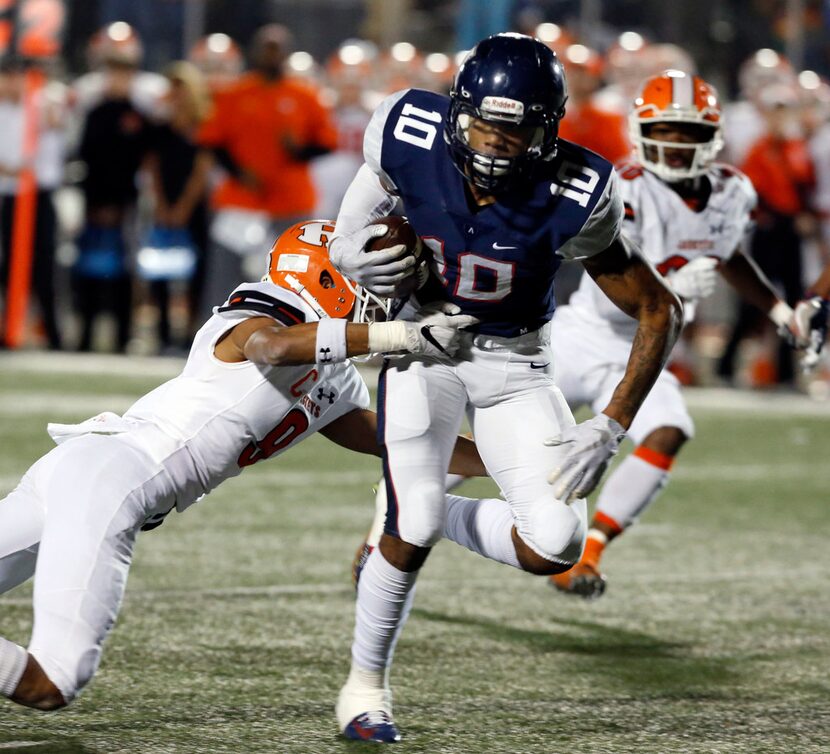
{"x": 586, "y": 121}
{"x": 689, "y": 215}
{"x": 114, "y": 55}
{"x": 268, "y": 369}
{"x": 116, "y": 103}
{"x": 743, "y": 118}
{"x": 264, "y": 130}
{"x": 179, "y": 170}
{"x": 780, "y": 168}
{"x": 219, "y": 59}
{"x": 352, "y": 101}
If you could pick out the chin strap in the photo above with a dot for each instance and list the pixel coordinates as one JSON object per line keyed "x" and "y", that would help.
{"x": 301, "y": 291}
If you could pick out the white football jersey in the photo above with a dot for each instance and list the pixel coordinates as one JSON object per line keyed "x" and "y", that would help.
{"x": 216, "y": 418}
{"x": 671, "y": 233}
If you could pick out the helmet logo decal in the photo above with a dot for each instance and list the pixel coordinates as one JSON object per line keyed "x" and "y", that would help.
{"x": 292, "y": 263}
{"x": 503, "y": 106}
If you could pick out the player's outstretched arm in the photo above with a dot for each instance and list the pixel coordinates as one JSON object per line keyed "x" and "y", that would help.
{"x": 802, "y": 327}
{"x": 435, "y": 332}
{"x": 822, "y": 285}
{"x": 749, "y": 282}
{"x": 357, "y": 430}
{"x": 633, "y": 285}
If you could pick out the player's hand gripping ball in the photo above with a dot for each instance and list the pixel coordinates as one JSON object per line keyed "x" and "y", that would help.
{"x": 400, "y": 233}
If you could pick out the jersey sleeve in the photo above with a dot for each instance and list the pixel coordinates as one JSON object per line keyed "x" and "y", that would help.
{"x": 264, "y": 300}
{"x": 365, "y": 201}
{"x": 352, "y": 389}
{"x": 373, "y": 137}
{"x": 602, "y": 226}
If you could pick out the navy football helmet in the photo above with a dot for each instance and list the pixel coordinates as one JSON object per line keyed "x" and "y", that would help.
{"x": 506, "y": 79}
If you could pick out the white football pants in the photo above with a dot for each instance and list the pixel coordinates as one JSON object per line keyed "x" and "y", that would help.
{"x": 590, "y": 361}
{"x": 72, "y": 522}
{"x": 512, "y": 406}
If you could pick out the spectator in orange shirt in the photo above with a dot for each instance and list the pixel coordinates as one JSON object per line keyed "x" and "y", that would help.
{"x": 263, "y": 131}
{"x": 586, "y": 123}
{"x": 780, "y": 168}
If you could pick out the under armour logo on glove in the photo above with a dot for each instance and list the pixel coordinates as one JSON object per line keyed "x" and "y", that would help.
{"x": 321, "y": 394}
{"x": 325, "y": 356}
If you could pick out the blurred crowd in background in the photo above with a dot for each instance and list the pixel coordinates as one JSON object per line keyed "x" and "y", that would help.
{"x": 159, "y": 190}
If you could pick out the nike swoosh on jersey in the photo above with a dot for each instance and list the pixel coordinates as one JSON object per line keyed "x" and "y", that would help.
{"x": 534, "y": 365}
{"x": 499, "y": 247}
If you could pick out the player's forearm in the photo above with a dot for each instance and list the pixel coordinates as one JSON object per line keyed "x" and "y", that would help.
{"x": 749, "y": 282}
{"x": 329, "y": 341}
{"x": 822, "y": 286}
{"x": 660, "y": 322}
{"x": 291, "y": 346}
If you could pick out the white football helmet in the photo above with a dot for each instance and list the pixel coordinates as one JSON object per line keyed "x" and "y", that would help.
{"x": 676, "y": 97}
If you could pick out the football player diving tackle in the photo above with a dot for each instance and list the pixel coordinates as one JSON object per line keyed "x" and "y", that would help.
{"x": 266, "y": 371}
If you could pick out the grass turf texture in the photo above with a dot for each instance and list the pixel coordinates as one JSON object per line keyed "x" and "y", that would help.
{"x": 235, "y": 631}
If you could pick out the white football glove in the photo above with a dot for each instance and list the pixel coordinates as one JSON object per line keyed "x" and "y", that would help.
{"x": 377, "y": 271}
{"x": 435, "y": 331}
{"x": 696, "y": 279}
{"x": 593, "y": 444}
{"x": 809, "y": 325}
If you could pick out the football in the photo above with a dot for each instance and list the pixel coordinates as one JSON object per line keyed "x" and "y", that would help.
{"x": 399, "y": 231}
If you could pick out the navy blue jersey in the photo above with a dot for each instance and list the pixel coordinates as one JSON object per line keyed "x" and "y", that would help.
{"x": 496, "y": 262}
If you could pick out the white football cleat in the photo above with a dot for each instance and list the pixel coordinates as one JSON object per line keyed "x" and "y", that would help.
{"x": 364, "y": 711}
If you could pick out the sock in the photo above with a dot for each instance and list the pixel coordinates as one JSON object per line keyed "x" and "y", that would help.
{"x": 594, "y": 545}
{"x": 13, "y": 660}
{"x": 483, "y": 526}
{"x": 381, "y": 611}
{"x": 633, "y": 486}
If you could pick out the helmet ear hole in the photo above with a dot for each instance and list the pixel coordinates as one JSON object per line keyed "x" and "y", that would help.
{"x": 299, "y": 261}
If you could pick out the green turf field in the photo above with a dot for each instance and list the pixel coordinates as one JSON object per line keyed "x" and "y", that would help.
{"x": 714, "y": 635}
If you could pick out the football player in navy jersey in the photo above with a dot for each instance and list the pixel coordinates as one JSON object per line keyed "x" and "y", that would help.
{"x": 499, "y": 201}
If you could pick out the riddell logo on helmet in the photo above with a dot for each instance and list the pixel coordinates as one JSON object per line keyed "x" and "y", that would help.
{"x": 503, "y": 106}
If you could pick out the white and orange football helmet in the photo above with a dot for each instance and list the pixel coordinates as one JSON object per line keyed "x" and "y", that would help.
{"x": 676, "y": 97}
{"x": 299, "y": 261}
